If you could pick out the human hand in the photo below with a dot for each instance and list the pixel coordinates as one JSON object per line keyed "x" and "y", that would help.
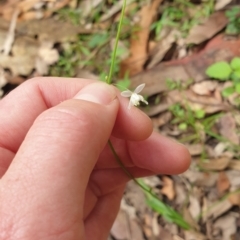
{"x": 60, "y": 180}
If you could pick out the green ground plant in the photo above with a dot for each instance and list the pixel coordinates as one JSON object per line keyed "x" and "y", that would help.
{"x": 233, "y": 27}
{"x": 224, "y": 71}
{"x": 178, "y": 14}
{"x": 69, "y": 14}
{"x": 71, "y": 57}
{"x": 177, "y": 84}
{"x": 92, "y": 51}
{"x": 185, "y": 117}
{"x": 193, "y": 123}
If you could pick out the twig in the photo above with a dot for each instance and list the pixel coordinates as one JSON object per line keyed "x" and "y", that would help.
{"x": 11, "y": 34}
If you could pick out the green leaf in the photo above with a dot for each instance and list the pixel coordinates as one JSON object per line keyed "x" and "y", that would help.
{"x": 219, "y": 70}
{"x": 85, "y": 51}
{"x": 235, "y": 63}
{"x": 199, "y": 114}
{"x": 228, "y": 91}
{"x": 97, "y": 40}
{"x": 237, "y": 87}
{"x": 123, "y": 84}
{"x": 103, "y": 76}
{"x": 236, "y": 75}
{"x": 182, "y": 126}
{"x": 232, "y": 29}
{"x": 166, "y": 211}
{"x": 171, "y": 84}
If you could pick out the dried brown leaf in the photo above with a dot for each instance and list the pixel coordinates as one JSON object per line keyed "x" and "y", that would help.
{"x": 168, "y": 188}
{"x": 155, "y": 225}
{"x": 16, "y": 80}
{"x": 210, "y": 104}
{"x": 139, "y": 40}
{"x": 233, "y": 176}
{"x": 215, "y": 23}
{"x": 227, "y": 224}
{"x": 152, "y": 181}
{"x": 227, "y": 128}
{"x": 155, "y": 78}
{"x": 214, "y": 164}
{"x": 162, "y": 119}
{"x": 190, "y": 235}
{"x": 158, "y": 53}
{"x": 3, "y": 35}
{"x": 175, "y": 237}
{"x": 195, "y": 149}
{"x": 31, "y": 6}
{"x": 223, "y": 183}
{"x": 47, "y": 56}
{"x": 234, "y": 198}
{"x": 194, "y": 206}
{"x": 234, "y": 165}
{"x": 136, "y": 231}
{"x": 204, "y": 87}
{"x": 147, "y": 227}
{"x": 220, "y": 4}
{"x": 164, "y": 234}
{"x": 191, "y": 67}
{"x": 219, "y": 149}
{"x": 22, "y": 60}
{"x": 120, "y": 228}
{"x": 181, "y": 195}
{"x": 130, "y": 210}
{"x": 135, "y": 196}
{"x": 216, "y": 209}
{"x": 200, "y": 178}
{"x": 50, "y": 29}
{"x": 189, "y": 219}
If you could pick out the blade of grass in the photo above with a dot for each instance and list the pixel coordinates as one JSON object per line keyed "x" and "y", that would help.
{"x": 157, "y": 205}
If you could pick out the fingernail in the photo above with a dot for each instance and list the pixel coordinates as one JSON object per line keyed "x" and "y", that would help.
{"x": 98, "y": 92}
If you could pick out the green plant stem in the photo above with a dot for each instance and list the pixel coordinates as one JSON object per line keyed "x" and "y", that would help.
{"x": 119, "y": 161}
{"x": 109, "y": 77}
{"x": 109, "y": 82}
{"x": 153, "y": 201}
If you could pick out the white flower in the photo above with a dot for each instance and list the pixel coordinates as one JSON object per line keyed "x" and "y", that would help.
{"x": 135, "y": 98}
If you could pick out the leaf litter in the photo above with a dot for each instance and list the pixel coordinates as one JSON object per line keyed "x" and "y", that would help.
{"x": 184, "y": 53}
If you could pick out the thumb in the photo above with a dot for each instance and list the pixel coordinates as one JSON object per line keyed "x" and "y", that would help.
{"x": 50, "y": 172}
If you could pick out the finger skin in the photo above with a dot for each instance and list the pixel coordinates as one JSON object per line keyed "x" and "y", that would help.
{"x": 157, "y": 153}
{"x": 48, "y": 148}
{"x": 51, "y": 171}
{"x": 37, "y": 95}
{"x": 99, "y": 222}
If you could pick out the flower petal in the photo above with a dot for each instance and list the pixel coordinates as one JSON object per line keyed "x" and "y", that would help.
{"x": 126, "y": 93}
{"x": 139, "y": 88}
{"x": 130, "y": 104}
